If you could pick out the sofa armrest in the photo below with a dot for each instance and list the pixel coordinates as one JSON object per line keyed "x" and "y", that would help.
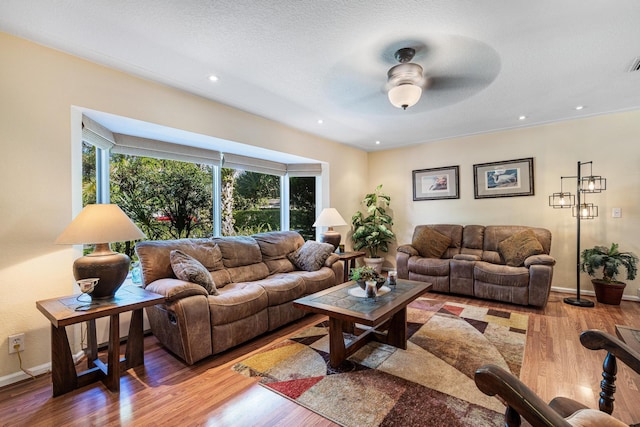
{"x": 539, "y": 260}
{"x": 408, "y": 249}
{"x": 331, "y": 260}
{"x": 466, "y": 257}
{"x": 175, "y": 289}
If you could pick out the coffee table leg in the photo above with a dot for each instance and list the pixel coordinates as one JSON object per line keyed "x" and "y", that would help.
{"x": 337, "y": 350}
{"x": 397, "y": 333}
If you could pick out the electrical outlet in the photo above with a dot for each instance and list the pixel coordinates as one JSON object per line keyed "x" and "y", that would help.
{"x": 16, "y": 340}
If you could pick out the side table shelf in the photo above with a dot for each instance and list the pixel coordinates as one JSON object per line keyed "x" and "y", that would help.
{"x": 349, "y": 260}
{"x": 62, "y": 312}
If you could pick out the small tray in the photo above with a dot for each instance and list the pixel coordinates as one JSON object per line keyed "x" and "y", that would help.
{"x": 361, "y": 293}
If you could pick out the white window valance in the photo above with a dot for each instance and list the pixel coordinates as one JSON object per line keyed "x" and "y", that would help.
{"x": 135, "y": 146}
{"x": 252, "y": 164}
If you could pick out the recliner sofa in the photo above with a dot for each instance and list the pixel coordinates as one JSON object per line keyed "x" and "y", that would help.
{"x": 255, "y": 282}
{"x": 473, "y": 262}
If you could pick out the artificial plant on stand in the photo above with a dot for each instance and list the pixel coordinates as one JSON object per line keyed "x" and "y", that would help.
{"x": 372, "y": 231}
{"x": 609, "y": 260}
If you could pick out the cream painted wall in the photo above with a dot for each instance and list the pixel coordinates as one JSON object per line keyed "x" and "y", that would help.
{"x": 611, "y": 142}
{"x": 38, "y": 87}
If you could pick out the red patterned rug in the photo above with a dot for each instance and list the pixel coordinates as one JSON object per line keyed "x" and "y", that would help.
{"x": 430, "y": 383}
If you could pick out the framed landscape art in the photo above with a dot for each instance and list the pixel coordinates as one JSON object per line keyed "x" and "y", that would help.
{"x": 507, "y": 178}
{"x": 436, "y": 183}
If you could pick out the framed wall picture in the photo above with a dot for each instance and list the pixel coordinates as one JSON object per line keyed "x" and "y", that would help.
{"x": 436, "y": 183}
{"x": 508, "y": 178}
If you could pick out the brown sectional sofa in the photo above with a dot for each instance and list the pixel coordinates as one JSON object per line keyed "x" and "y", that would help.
{"x": 473, "y": 265}
{"x": 256, "y": 284}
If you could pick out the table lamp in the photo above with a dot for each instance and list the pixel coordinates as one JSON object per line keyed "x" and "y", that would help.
{"x": 101, "y": 224}
{"x": 330, "y": 217}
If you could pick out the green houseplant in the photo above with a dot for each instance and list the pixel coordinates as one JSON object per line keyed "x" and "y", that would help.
{"x": 364, "y": 274}
{"x": 608, "y": 260}
{"x": 372, "y": 230}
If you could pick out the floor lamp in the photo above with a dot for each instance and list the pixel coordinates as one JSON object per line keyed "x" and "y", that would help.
{"x": 581, "y": 210}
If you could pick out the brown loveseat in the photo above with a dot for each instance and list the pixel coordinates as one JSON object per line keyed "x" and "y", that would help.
{"x": 470, "y": 260}
{"x": 255, "y": 284}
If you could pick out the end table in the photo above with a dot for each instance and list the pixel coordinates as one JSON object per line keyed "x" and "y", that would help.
{"x": 349, "y": 260}
{"x": 63, "y": 312}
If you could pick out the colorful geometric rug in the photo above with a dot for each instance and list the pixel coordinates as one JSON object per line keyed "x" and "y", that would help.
{"x": 430, "y": 383}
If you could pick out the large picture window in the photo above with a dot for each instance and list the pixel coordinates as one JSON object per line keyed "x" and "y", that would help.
{"x": 174, "y": 192}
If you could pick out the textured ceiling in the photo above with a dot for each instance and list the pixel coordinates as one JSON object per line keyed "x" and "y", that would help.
{"x": 299, "y": 61}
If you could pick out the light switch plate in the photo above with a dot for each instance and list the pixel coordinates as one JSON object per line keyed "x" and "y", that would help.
{"x": 616, "y": 212}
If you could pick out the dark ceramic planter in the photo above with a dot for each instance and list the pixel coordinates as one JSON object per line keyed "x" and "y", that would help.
{"x": 608, "y": 292}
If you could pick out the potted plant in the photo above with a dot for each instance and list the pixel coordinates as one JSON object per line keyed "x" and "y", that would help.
{"x": 608, "y": 289}
{"x": 371, "y": 231}
{"x": 364, "y": 274}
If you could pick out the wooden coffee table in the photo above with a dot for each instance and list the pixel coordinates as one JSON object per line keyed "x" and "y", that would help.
{"x": 388, "y": 312}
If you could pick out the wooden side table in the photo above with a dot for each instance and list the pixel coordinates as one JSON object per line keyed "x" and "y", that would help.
{"x": 68, "y": 310}
{"x": 349, "y": 260}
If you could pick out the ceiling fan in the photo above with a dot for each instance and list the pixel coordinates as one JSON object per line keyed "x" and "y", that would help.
{"x": 405, "y": 80}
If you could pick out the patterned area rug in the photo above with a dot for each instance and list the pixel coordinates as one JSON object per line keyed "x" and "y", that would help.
{"x": 430, "y": 383}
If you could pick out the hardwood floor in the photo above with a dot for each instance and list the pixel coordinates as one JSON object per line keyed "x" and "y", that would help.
{"x": 167, "y": 392}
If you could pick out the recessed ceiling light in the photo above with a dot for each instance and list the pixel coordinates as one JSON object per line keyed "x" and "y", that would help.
{"x": 579, "y": 107}
{"x": 213, "y": 78}
{"x": 522, "y": 117}
{"x": 320, "y": 121}
{"x": 377, "y": 142}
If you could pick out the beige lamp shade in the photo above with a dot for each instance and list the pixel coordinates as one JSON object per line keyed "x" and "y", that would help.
{"x": 330, "y": 217}
{"x": 100, "y": 223}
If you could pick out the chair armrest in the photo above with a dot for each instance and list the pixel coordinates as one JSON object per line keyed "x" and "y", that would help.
{"x": 175, "y": 289}
{"x": 408, "y": 249}
{"x": 539, "y": 260}
{"x": 594, "y": 339}
{"x": 493, "y": 380}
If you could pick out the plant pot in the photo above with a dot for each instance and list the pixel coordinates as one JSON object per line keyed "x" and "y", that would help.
{"x": 608, "y": 292}
{"x": 375, "y": 263}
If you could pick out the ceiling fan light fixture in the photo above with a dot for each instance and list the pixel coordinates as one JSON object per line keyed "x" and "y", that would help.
{"x": 405, "y": 95}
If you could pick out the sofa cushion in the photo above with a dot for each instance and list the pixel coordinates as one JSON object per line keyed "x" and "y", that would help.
{"x": 500, "y": 275}
{"x": 593, "y": 418}
{"x": 429, "y": 266}
{"x": 282, "y": 288}
{"x": 275, "y": 246}
{"x": 238, "y": 251}
{"x": 515, "y": 249}
{"x": 311, "y": 256}
{"x": 430, "y": 243}
{"x": 237, "y": 301}
{"x": 189, "y": 269}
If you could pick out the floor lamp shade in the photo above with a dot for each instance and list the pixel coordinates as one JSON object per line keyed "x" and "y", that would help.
{"x": 330, "y": 217}
{"x": 101, "y": 224}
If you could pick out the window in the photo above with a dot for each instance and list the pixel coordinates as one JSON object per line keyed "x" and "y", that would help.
{"x": 174, "y": 191}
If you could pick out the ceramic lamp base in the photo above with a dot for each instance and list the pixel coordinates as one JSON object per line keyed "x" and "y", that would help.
{"x": 108, "y": 266}
{"x": 332, "y": 237}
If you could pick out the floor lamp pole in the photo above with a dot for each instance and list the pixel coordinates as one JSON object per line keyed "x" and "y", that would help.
{"x": 577, "y": 301}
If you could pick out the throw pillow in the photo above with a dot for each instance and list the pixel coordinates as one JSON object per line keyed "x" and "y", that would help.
{"x": 430, "y": 243}
{"x": 189, "y": 269}
{"x": 311, "y": 255}
{"x": 515, "y": 249}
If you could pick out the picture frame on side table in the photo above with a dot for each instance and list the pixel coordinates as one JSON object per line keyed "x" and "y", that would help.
{"x": 436, "y": 183}
{"x": 507, "y": 178}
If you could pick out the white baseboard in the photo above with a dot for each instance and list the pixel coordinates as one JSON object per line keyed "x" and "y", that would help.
{"x": 590, "y": 293}
{"x": 36, "y": 370}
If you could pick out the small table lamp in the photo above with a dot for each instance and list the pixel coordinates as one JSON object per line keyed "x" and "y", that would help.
{"x": 101, "y": 224}
{"x": 330, "y": 217}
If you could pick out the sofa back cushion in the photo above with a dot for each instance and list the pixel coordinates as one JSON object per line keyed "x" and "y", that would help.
{"x": 276, "y": 246}
{"x": 242, "y": 258}
{"x": 453, "y": 232}
{"x": 494, "y": 234}
{"x": 472, "y": 240}
{"x": 156, "y": 264}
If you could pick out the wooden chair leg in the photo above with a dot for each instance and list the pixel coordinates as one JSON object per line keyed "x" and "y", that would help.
{"x": 607, "y": 385}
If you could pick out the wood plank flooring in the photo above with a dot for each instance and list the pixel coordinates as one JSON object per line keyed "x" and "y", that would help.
{"x": 167, "y": 392}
